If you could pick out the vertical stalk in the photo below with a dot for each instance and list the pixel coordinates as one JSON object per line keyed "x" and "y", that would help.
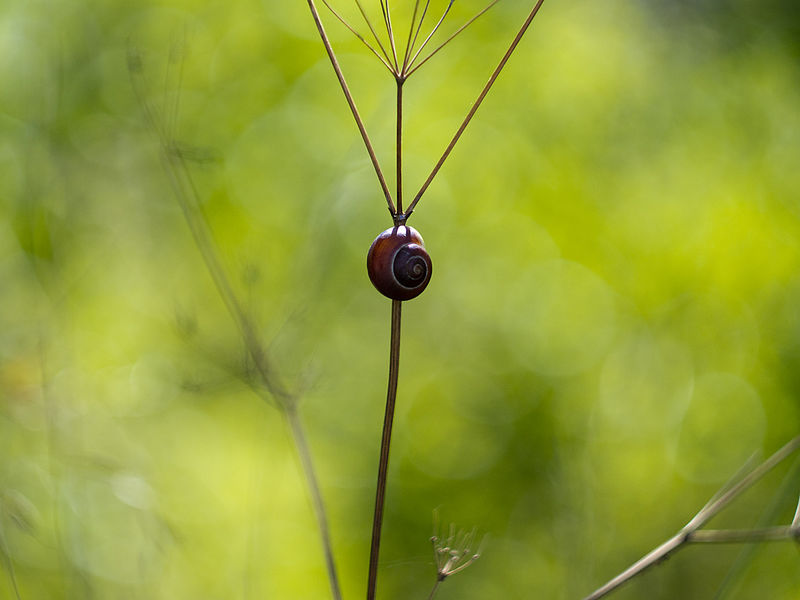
{"x": 399, "y": 146}
{"x": 304, "y": 453}
{"x": 383, "y": 464}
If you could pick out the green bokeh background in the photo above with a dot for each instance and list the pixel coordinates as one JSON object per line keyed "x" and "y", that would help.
{"x": 612, "y": 329}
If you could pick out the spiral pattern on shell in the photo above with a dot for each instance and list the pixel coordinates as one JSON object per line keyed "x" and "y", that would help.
{"x": 397, "y": 263}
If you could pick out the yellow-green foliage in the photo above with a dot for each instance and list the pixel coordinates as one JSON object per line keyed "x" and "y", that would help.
{"x": 611, "y": 330}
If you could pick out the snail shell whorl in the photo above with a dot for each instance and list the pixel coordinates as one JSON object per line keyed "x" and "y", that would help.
{"x": 397, "y": 263}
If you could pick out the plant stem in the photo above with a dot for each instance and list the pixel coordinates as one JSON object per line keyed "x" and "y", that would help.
{"x": 284, "y": 399}
{"x": 6, "y": 553}
{"x": 738, "y": 536}
{"x": 349, "y": 97}
{"x": 272, "y": 388}
{"x": 301, "y": 443}
{"x": 399, "y": 145}
{"x": 788, "y": 485}
{"x": 475, "y": 106}
{"x": 690, "y": 533}
{"x": 435, "y": 588}
{"x": 374, "y": 33}
{"x": 383, "y": 464}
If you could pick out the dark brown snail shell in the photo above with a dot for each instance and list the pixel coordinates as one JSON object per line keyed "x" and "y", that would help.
{"x": 397, "y": 263}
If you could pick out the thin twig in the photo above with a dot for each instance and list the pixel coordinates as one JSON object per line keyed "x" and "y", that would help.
{"x": 349, "y": 97}
{"x": 475, "y": 106}
{"x": 386, "y": 438}
{"x": 690, "y": 532}
{"x": 303, "y": 451}
{"x": 452, "y": 37}
{"x": 419, "y": 28}
{"x": 399, "y": 147}
{"x": 358, "y": 35}
{"x": 788, "y": 485}
{"x": 387, "y": 18}
{"x": 436, "y": 585}
{"x": 738, "y": 536}
{"x": 374, "y": 33}
{"x": 9, "y": 562}
{"x": 188, "y": 199}
{"x": 410, "y": 36}
{"x": 433, "y": 32}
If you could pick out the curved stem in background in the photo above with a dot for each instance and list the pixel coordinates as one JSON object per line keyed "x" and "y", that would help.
{"x": 413, "y": 42}
{"x": 349, "y": 97}
{"x": 475, "y": 106}
{"x": 383, "y": 464}
{"x": 303, "y": 451}
{"x": 691, "y": 532}
{"x": 410, "y": 36}
{"x": 387, "y": 18}
{"x": 284, "y": 399}
{"x": 8, "y": 562}
{"x": 273, "y": 388}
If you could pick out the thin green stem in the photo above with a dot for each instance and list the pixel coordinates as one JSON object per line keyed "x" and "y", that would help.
{"x": 387, "y": 18}
{"x": 285, "y": 400}
{"x": 691, "y": 534}
{"x": 435, "y": 588}
{"x": 304, "y": 453}
{"x": 706, "y": 514}
{"x": 416, "y": 33}
{"x": 738, "y": 536}
{"x": 475, "y": 106}
{"x": 407, "y": 53}
{"x": 386, "y": 438}
{"x": 273, "y": 388}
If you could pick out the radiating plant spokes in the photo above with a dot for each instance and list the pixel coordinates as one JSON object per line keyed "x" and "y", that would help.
{"x": 413, "y": 58}
{"x": 402, "y": 69}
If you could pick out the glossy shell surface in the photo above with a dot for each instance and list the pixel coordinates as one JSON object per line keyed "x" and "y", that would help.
{"x": 398, "y": 264}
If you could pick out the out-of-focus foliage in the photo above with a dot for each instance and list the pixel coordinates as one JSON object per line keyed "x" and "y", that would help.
{"x": 612, "y": 329}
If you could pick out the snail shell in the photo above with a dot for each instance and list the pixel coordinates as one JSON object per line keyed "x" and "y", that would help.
{"x": 397, "y": 263}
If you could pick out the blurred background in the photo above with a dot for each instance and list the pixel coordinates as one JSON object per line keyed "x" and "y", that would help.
{"x": 611, "y": 332}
